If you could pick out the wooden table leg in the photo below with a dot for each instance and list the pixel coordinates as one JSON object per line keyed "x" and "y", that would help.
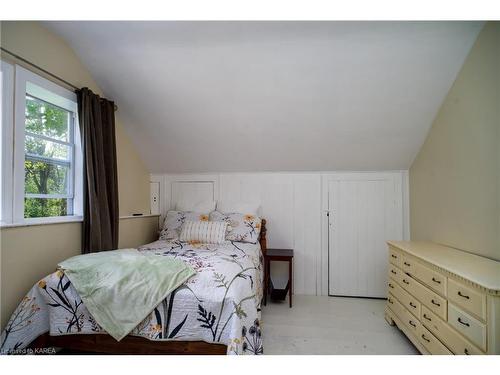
{"x": 266, "y": 280}
{"x": 290, "y": 278}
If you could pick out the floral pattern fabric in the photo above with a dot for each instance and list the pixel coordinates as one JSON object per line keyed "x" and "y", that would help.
{"x": 173, "y": 223}
{"x": 241, "y": 227}
{"x": 220, "y": 304}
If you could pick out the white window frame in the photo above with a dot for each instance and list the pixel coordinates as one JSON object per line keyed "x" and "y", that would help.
{"x": 27, "y": 82}
{"x": 7, "y": 141}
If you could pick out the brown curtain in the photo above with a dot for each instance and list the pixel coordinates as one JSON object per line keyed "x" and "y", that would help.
{"x": 97, "y": 127}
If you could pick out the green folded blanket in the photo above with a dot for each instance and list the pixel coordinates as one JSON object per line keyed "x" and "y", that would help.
{"x": 120, "y": 288}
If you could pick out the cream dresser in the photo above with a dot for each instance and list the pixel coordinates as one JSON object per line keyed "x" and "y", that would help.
{"x": 446, "y": 301}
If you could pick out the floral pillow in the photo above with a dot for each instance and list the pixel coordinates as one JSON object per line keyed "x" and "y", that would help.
{"x": 173, "y": 223}
{"x": 240, "y": 227}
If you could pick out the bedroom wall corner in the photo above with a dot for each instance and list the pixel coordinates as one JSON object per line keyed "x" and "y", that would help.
{"x": 136, "y": 231}
{"x": 455, "y": 178}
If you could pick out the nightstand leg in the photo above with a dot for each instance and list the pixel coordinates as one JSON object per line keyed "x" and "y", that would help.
{"x": 266, "y": 280}
{"x": 290, "y": 278}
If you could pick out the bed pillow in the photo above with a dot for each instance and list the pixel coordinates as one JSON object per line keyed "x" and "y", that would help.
{"x": 201, "y": 206}
{"x": 240, "y": 227}
{"x": 173, "y": 223}
{"x": 246, "y": 208}
{"x": 204, "y": 231}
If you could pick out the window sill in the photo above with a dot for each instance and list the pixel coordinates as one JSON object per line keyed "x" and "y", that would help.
{"x": 44, "y": 221}
{"x": 61, "y": 220}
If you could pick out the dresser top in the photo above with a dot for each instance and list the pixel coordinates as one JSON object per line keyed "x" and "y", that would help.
{"x": 482, "y": 271}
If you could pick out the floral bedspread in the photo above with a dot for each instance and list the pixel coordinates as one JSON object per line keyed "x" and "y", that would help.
{"x": 220, "y": 304}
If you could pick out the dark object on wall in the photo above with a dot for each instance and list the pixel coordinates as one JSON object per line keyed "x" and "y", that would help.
{"x": 100, "y": 196}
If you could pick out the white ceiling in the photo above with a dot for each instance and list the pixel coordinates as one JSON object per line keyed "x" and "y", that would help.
{"x": 274, "y": 96}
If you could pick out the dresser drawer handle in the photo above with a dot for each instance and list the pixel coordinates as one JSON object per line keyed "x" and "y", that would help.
{"x": 394, "y": 256}
{"x": 463, "y": 295}
{"x": 435, "y": 303}
{"x": 412, "y": 305}
{"x": 393, "y": 272}
{"x": 425, "y": 338}
{"x": 407, "y": 264}
{"x": 426, "y": 317}
{"x": 391, "y": 286}
{"x": 462, "y": 322}
{"x": 466, "y": 351}
{"x": 436, "y": 281}
{"x": 406, "y": 282}
{"x": 412, "y": 324}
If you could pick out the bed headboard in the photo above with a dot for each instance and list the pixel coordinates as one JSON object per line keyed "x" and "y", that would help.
{"x": 262, "y": 237}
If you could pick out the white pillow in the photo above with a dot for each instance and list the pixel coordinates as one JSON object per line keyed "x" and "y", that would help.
{"x": 240, "y": 227}
{"x": 204, "y": 231}
{"x": 173, "y": 223}
{"x": 204, "y": 207}
{"x": 246, "y": 208}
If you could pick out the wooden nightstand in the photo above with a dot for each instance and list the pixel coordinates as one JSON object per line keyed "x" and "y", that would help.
{"x": 283, "y": 255}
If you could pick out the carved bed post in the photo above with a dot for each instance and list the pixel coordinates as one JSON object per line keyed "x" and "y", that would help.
{"x": 263, "y": 239}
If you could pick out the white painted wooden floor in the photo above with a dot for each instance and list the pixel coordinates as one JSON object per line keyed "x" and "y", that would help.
{"x": 331, "y": 325}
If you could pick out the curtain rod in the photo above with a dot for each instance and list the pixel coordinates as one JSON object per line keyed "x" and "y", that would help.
{"x": 43, "y": 70}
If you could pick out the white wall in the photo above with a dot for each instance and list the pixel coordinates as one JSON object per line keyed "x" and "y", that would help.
{"x": 455, "y": 178}
{"x": 290, "y": 202}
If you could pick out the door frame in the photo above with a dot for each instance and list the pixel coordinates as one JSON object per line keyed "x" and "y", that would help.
{"x": 323, "y": 271}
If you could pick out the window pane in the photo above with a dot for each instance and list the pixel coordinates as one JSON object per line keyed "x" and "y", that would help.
{"x": 42, "y": 147}
{"x": 45, "y": 178}
{"x": 47, "y": 119}
{"x": 44, "y": 207}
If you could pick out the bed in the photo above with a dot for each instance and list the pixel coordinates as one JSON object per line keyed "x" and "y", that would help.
{"x": 217, "y": 311}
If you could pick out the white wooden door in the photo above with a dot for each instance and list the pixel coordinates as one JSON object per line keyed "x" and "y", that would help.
{"x": 365, "y": 210}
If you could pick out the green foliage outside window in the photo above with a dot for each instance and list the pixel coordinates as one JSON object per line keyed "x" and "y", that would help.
{"x": 46, "y": 176}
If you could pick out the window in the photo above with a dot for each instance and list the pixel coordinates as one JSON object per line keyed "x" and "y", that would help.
{"x": 47, "y": 174}
{"x": 48, "y": 154}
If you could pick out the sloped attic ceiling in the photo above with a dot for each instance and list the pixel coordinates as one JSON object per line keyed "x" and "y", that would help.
{"x": 274, "y": 96}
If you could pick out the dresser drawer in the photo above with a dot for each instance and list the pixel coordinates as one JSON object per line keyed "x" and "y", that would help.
{"x": 408, "y": 264}
{"x": 431, "y": 278}
{"x": 469, "y": 299}
{"x": 407, "y": 300}
{"x": 408, "y": 319}
{"x": 470, "y": 327}
{"x": 411, "y": 322}
{"x": 395, "y": 256}
{"x": 446, "y": 334}
{"x": 396, "y": 307}
{"x": 429, "y": 298}
{"x": 430, "y": 342}
{"x": 391, "y": 285}
{"x": 395, "y": 273}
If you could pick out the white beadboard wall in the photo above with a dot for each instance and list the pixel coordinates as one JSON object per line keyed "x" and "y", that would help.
{"x": 290, "y": 202}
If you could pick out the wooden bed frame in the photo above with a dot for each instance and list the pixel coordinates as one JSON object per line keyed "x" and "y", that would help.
{"x": 105, "y": 344}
